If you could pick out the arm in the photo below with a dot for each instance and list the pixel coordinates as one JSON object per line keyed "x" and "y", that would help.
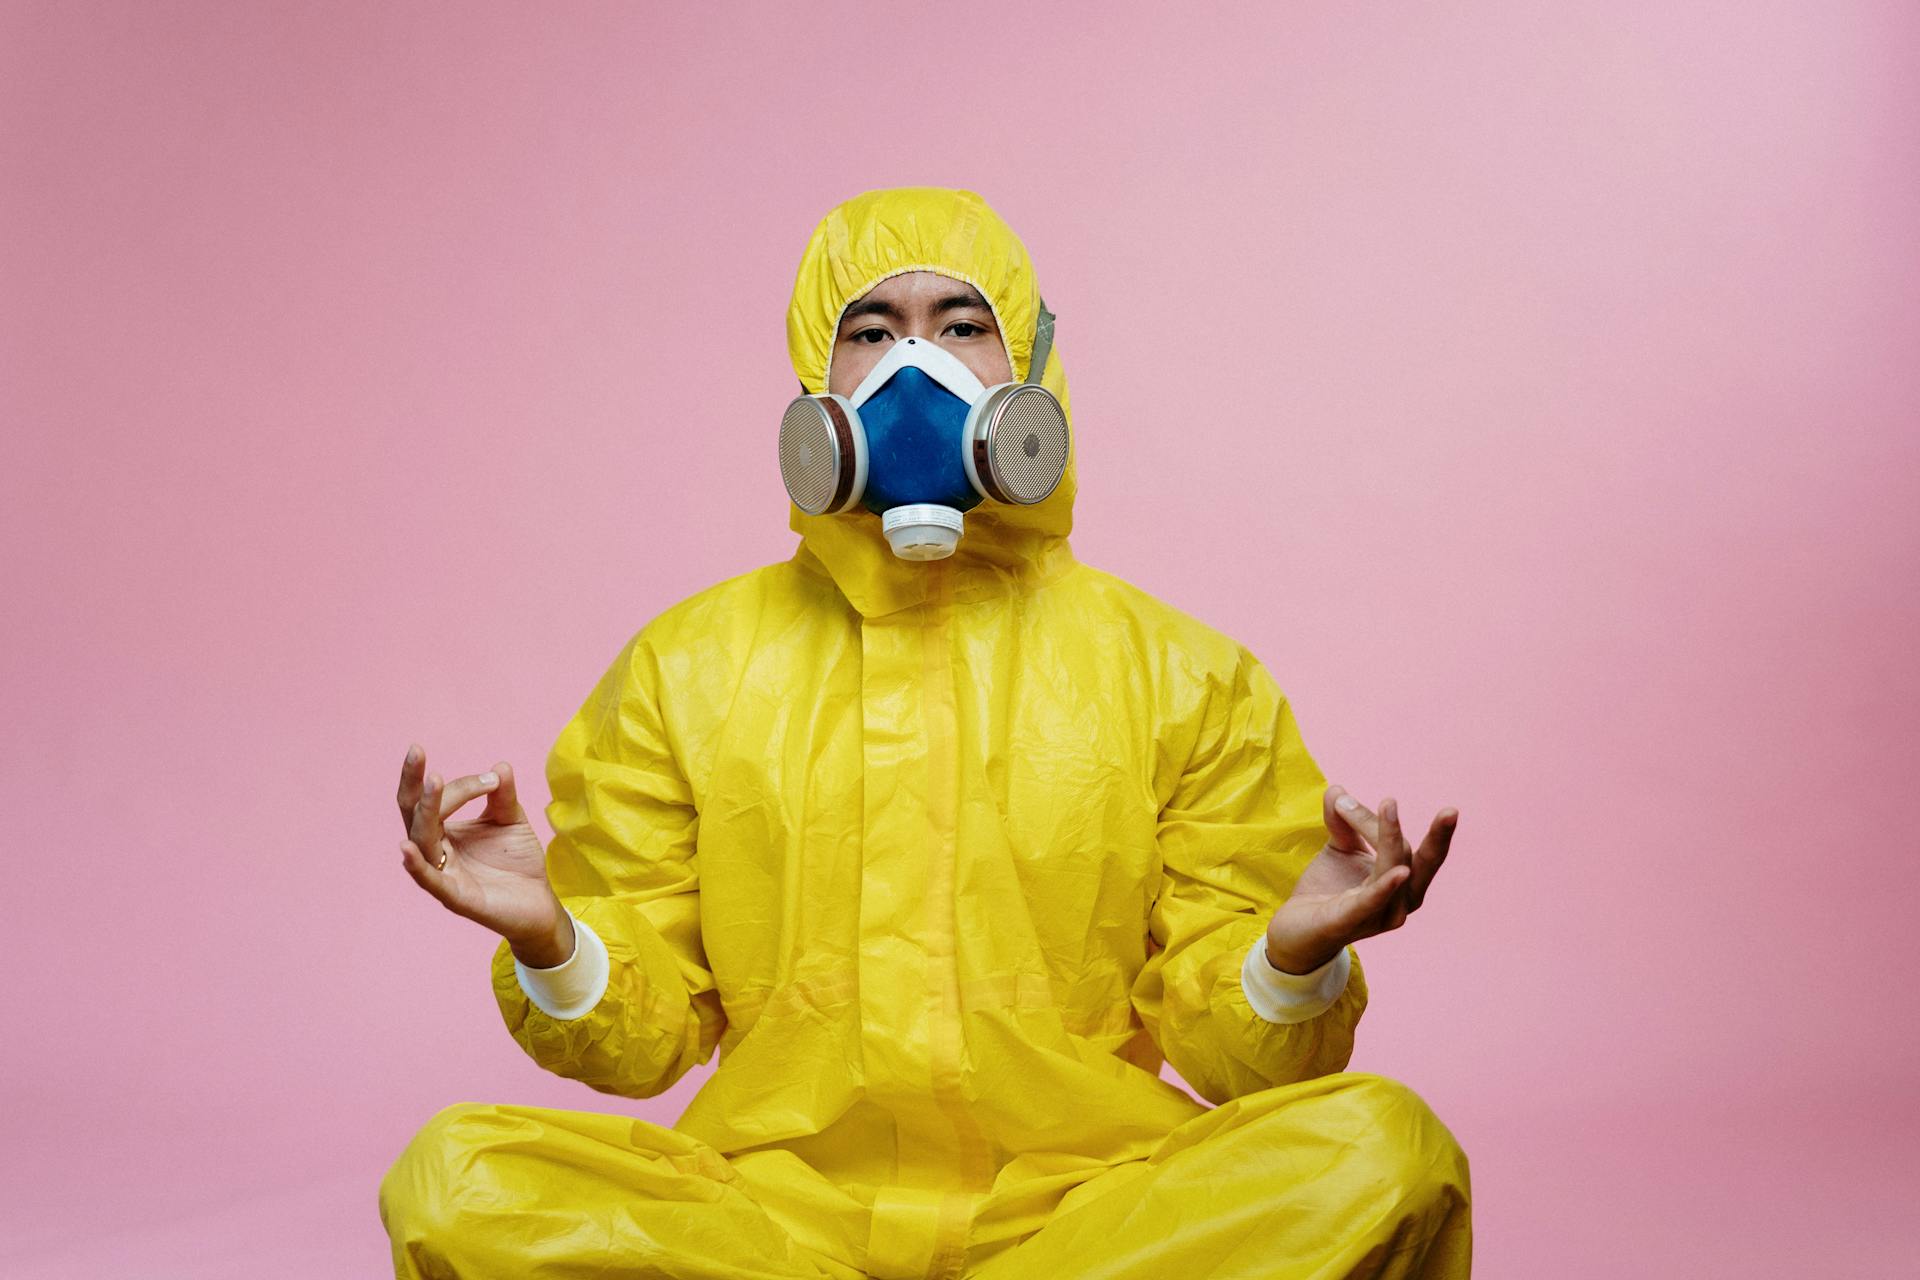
{"x": 622, "y": 861}
{"x": 1242, "y": 822}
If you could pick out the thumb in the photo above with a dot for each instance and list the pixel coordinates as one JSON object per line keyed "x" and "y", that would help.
{"x": 1371, "y": 896}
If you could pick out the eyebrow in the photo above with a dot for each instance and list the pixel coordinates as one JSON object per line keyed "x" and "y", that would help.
{"x": 969, "y": 300}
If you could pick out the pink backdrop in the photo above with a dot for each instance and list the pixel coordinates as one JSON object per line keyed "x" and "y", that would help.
{"x": 371, "y": 372}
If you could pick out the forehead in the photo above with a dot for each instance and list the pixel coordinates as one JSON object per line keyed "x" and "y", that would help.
{"x": 917, "y": 288}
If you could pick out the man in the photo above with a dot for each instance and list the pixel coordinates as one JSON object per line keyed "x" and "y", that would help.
{"x": 941, "y": 856}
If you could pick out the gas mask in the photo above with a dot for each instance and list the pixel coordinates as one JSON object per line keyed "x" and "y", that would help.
{"x": 922, "y": 440}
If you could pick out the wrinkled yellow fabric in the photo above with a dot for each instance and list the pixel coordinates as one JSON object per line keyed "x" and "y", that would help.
{"x": 940, "y": 858}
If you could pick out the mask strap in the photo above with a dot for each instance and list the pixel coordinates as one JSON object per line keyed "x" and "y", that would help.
{"x": 1042, "y": 343}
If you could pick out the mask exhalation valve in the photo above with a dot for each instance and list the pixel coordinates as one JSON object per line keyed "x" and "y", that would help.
{"x": 922, "y": 530}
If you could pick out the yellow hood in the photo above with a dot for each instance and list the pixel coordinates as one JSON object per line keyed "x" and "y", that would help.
{"x": 856, "y": 246}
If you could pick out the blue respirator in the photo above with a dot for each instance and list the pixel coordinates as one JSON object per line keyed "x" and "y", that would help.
{"x": 922, "y": 440}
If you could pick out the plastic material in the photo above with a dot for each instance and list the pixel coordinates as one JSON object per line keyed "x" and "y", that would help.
{"x": 939, "y": 858}
{"x": 923, "y": 530}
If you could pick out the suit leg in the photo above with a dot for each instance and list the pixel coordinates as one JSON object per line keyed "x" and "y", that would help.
{"x": 545, "y": 1194}
{"x": 1349, "y": 1176}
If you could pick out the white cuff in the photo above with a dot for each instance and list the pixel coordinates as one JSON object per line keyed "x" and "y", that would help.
{"x": 1279, "y": 996}
{"x": 571, "y": 988}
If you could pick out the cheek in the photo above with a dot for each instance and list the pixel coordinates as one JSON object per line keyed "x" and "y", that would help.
{"x": 852, "y": 361}
{"x": 989, "y": 365}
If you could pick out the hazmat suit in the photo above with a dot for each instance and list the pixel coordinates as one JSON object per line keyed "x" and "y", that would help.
{"x": 941, "y": 858}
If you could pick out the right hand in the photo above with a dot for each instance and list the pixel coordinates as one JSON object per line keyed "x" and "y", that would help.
{"x": 492, "y": 869}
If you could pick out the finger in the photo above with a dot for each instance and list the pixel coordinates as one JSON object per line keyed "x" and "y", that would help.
{"x": 461, "y": 790}
{"x": 1394, "y": 852}
{"x": 1359, "y": 909}
{"x": 424, "y": 873}
{"x": 1397, "y": 910}
{"x": 503, "y": 802}
{"x": 1432, "y": 852}
{"x": 1393, "y": 848}
{"x": 1381, "y": 907}
{"x": 425, "y": 829}
{"x": 1395, "y": 913}
{"x": 1340, "y": 833}
{"x": 1358, "y": 817}
{"x": 412, "y": 769}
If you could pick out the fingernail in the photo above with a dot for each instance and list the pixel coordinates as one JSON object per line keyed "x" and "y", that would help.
{"x": 489, "y": 779}
{"x": 1347, "y": 803}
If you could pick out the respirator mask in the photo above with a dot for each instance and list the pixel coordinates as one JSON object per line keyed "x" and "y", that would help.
{"x": 922, "y": 440}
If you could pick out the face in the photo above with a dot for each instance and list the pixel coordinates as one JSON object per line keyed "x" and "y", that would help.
{"x": 918, "y": 304}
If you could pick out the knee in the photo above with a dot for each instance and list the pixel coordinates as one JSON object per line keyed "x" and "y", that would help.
{"x": 417, "y": 1203}
{"x": 1401, "y": 1147}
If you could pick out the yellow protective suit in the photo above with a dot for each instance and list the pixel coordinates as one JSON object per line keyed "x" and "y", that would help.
{"x": 940, "y": 857}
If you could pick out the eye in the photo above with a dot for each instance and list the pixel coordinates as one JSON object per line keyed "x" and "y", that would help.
{"x": 976, "y": 329}
{"x": 872, "y": 336}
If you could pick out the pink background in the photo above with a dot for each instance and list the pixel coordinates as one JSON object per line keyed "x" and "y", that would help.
{"x": 370, "y": 373}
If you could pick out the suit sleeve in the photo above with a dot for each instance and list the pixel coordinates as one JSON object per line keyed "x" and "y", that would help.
{"x": 623, "y": 862}
{"x": 1243, "y": 821}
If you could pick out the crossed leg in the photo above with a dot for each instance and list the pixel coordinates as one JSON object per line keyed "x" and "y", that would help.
{"x": 1343, "y": 1177}
{"x": 500, "y": 1190}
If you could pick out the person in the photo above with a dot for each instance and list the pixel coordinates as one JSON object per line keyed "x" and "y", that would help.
{"x": 942, "y": 857}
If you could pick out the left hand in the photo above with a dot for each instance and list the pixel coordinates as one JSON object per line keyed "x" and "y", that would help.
{"x": 1350, "y": 891}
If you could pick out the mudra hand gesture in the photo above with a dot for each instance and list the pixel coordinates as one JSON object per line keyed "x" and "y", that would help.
{"x": 491, "y": 869}
{"x": 1365, "y": 881}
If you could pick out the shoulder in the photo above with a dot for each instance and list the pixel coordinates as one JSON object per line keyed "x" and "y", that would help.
{"x": 1166, "y": 634}
{"x": 727, "y": 614}
{"x": 1204, "y": 691}
{"x": 682, "y": 668}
